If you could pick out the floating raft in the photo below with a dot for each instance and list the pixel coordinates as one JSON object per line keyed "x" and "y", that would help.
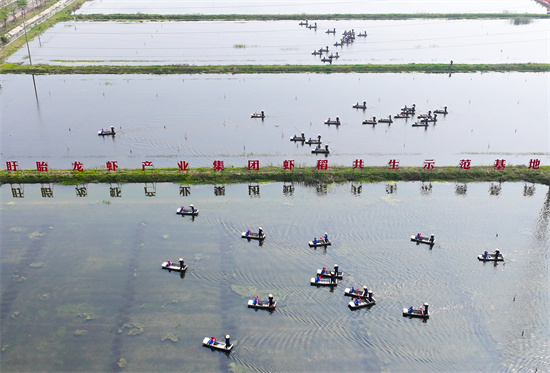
{"x": 217, "y": 345}
{"x": 491, "y": 258}
{"x": 362, "y": 303}
{"x": 257, "y": 115}
{"x": 420, "y": 124}
{"x": 362, "y": 34}
{"x": 323, "y": 282}
{"x": 263, "y": 304}
{"x": 106, "y": 133}
{"x": 320, "y": 151}
{"x": 253, "y": 236}
{"x": 174, "y": 267}
{"x": 319, "y": 243}
{"x": 416, "y": 313}
{"x": 402, "y": 115}
{"x": 298, "y": 138}
{"x": 313, "y": 141}
{"x": 181, "y": 211}
{"x": 370, "y": 121}
{"x": 333, "y": 122}
{"x": 350, "y": 292}
{"x": 385, "y": 120}
{"x": 339, "y": 275}
{"x": 441, "y": 111}
{"x": 360, "y": 106}
{"x": 423, "y": 239}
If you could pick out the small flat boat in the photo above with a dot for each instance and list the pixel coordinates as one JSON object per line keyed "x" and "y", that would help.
{"x": 329, "y": 31}
{"x": 334, "y": 56}
{"x": 174, "y": 267}
{"x": 360, "y": 303}
{"x": 372, "y": 121}
{"x": 221, "y": 346}
{"x": 401, "y": 115}
{"x": 338, "y": 44}
{"x": 316, "y": 52}
{"x": 313, "y": 141}
{"x": 107, "y": 132}
{"x": 191, "y": 212}
{"x": 253, "y": 236}
{"x": 364, "y": 34}
{"x": 333, "y": 122}
{"x": 427, "y": 240}
{"x": 323, "y": 282}
{"x": 319, "y": 243}
{"x": 312, "y": 26}
{"x": 420, "y": 124}
{"x": 386, "y": 120}
{"x": 320, "y": 151}
{"x": 326, "y": 59}
{"x": 360, "y": 106}
{"x": 441, "y": 111}
{"x": 303, "y": 23}
{"x": 422, "y": 312}
{"x": 263, "y": 304}
{"x": 339, "y": 275}
{"x": 491, "y": 257}
{"x": 409, "y": 110}
{"x": 258, "y": 115}
{"x": 352, "y": 292}
{"x": 298, "y": 138}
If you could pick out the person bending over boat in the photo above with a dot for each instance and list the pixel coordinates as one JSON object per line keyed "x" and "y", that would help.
{"x": 314, "y": 240}
{"x": 169, "y": 264}
{"x": 497, "y": 253}
{"x": 256, "y": 301}
{"x": 324, "y": 270}
{"x": 317, "y": 278}
{"x": 357, "y": 301}
{"x": 212, "y": 340}
{"x": 410, "y": 309}
{"x": 418, "y": 236}
{"x": 247, "y": 233}
{"x": 485, "y": 254}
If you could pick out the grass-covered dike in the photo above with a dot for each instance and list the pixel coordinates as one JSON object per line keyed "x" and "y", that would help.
{"x": 277, "y": 174}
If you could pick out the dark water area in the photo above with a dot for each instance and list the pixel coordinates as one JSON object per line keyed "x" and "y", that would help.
{"x": 309, "y": 7}
{"x": 285, "y": 42}
{"x": 82, "y": 283}
{"x": 203, "y": 118}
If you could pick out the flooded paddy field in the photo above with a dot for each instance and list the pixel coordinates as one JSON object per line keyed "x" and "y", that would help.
{"x": 82, "y": 287}
{"x": 285, "y": 42}
{"x": 202, "y": 118}
{"x": 309, "y": 7}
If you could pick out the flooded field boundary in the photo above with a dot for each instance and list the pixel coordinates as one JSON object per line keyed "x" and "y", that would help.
{"x": 272, "y": 69}
{"x": 277, "y": 174}
{"x": 515, "y": 17}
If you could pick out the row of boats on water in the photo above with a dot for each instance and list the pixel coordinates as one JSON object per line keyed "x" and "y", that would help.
{"x": 485, "y": 257}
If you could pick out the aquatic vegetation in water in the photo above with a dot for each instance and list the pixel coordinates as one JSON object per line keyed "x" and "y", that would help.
{"x": 165, "y": 236}
{"x": 17, "y": 278}
{"x": 171, "y": 337}
{"x": 86, "y": 316}
{"x": 36, "y": 235}
{"x": 121, "y": 362}
{"x": 239, "y": 368}
{"x": 37, "y": 265}
{"x": 5, "y": 347}
{"x": 79, "y": 310}
{"x": 14, "y": 314}
{"x": 134, "y": 329}
{"x": 80, "y": 332}
{"x": 245, "y": 291}
{"x": 17, "y": 229}
{"x": 44, "y": 296}
{"x": 173, "y": 301}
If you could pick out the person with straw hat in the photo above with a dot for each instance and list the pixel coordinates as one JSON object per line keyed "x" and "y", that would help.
{"x": 181, "y": 264}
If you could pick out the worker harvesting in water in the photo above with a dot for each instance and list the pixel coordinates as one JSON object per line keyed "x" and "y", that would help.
{"x": 227, "y": 341}
{"x": 212, "y": 340}
{"x": 181, "y": 263}
{"x": 260, "y": 232}
{"x": 270, "y": 300}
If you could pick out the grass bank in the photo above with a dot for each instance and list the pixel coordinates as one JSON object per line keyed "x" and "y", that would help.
{"x": 274, "y": 69}
{"x": 300, "y": 17}
{"x": 277, "y": 174}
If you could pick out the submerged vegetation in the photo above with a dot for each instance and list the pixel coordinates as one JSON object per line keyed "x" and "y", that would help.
{"x": 275, "y": 69}
{"x": 277, "y": 174}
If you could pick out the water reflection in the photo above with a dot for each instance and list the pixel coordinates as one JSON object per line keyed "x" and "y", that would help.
{"x": 254, "y": 190}
{"x": 17, "y": 191}
{"x": 288, "y": 189}
{"x": 46, "y": 190}
{"x": 356, "y": 189}
{"x": 391, "y": 188}
{"x": 426, "y": 189}
{"x": 81, "y": 190}
{"x": 495, "y": 189}
{"x": 461, "y": 189}
{"x": 528, "y": 190}
{"x": 115, "y": 190}
{"x": 219, "y": 190}
{"x": 150, "y": 189}
{"x": 185, "y": 190}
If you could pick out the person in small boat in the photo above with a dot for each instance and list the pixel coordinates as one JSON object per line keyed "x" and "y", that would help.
{"x": 227, "y": 340}
{"x": 112, "y": 129}
{"x": 317, "y": 278}
{"x": 336, "y": 269}
{"x": 328, "y": 120}
{"x": 357, "y": 300}
{"x": 326, "y": 237}
{"x": 212, "y": 340}
{"x": 256, "y": 300}
{"x": 324, "y": 270}
{"x": 432, "y": 238}
{"x": 270, "y": 300}
{"x": 326, "y": 148}
{"x": 418, "y": 236}
{"x": 332, "y": 278}
{"x": 314, "y": 240}
{"x": 484, "y": 255}
{"x": 192, "y": 208}
{"x": 169, "y": 263}
{"x": 102, "y": 130}
{"x": 337, "y": 120}
{"x": 247, "y": 233}
{"x": 410, "y": 309}
{"x": 497, "y": 253}
{"x": 182, "y": 264}
{"x": 303, "y": 136}
{"x": 319, "y": 138}
{"x": 182, "y": 208}
{"x": 260, "y": 232}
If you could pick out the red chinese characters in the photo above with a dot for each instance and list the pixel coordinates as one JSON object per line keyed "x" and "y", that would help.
{"x": 111, "y": 165}
{"x": 322, "y": 164}
{"x": 42, "y": 166}
{"x": 147, "y": 165}
{"x": 183, "y": 166}
{"x": 11, "y": 165}
{"x": 429, "y": 164}
{"x": 358, "y": 163}
{"x": 288, "y": 164}
{"x": 534, "y": 164}
{"x": 253, "y": 165}
{"x": 393, "y": 164}
{"x": 78, "y": 166}
{"x": 218, "y": 165}
{"x": 500, "y": 164}
{"x": 464, "y": 164}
